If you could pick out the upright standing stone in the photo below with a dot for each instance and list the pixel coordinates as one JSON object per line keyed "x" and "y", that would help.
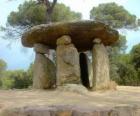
{"x": 67, "y": 60}
{"x": 44, "y": 74}
{"x": 101, "y": 78}
{"x": 90, "y": 72}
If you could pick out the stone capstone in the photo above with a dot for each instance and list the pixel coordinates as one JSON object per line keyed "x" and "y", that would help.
{"x": 44, "y": 74}
{"x": 82, "y": 34}
{"x": 67, "y": 60}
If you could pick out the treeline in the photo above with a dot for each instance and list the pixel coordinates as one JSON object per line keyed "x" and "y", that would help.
{"x": 125, "y": 68}
{"x": 18, "y": 79}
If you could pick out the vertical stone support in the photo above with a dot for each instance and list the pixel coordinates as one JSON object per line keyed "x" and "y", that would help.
{"x": 67, "y": 61}
{"x": 90, "y": 72}
{"x": 101, "y": 77}
{"x": 44, "y": 72}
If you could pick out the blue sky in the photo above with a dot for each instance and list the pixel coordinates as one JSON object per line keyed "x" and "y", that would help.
{"x": 17, "y": 59}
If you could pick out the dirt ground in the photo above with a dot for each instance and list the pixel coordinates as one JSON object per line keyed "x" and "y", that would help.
{"x": 18, "y": 98}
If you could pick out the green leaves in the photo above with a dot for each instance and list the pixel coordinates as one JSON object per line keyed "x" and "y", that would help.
{"x": 31, "y": 13}
{"x": 3, "y": 67}
{"x": 28, "y": 13}
{"x": 124, "y": 67}
{"x": 135, "y": 56}
{"x": 18, "y": 79}
{"x": 63, "y": 13}
{"x": 138, "y": 22}
{"x": 113, "y": 15}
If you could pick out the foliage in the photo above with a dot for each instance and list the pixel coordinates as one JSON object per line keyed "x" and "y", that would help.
{"x": 31, "y": 13}
{"x": 3, "y": 66}
{"x": 123, "y": 67}
{"x": 18, "y": 79}
{"x": 113, "y": 15}
{"x": 7, "y": 83}
{"x": 128, "y": 75}
{"x": 135, "y": 56}
{"x": 115, "y": 51}
{"x": 64, "y": 14}
{"x": 138, "y": 22}
{"x": 126, "y": 70}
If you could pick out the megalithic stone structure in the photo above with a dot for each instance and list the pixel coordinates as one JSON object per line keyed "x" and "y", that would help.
{"x": 68, "y": 39}
{"x": 101, "y": 78}
{"x": 67, "y": 60}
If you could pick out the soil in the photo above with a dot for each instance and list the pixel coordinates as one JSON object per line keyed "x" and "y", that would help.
{"x": 124, "y": 95}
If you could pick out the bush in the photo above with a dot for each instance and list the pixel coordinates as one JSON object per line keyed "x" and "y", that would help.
{"x": 7, "y": 83}
{"x": 18, "y": 79}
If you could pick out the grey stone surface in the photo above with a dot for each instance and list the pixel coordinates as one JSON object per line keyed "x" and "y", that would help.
{"x": 76, "y": 88}
{"x": 90, "y": 72}
{"x": 40, "y": 48}
{"x": 44, "y": 75}
{"x": 101, "y": 77}
{"x": 97, "y": 41}
{"x": 64, "y": 40}
{"x": 67, "y": 60}
{"x": 66, "y": 110}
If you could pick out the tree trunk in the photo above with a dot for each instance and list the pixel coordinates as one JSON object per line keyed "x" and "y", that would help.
{"x": 49, "y": 10}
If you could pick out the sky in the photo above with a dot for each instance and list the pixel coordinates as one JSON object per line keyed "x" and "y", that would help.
{"x": 15, "y": 54}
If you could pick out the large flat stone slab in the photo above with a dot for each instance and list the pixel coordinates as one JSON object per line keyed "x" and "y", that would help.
{"x": 82, "y": 34}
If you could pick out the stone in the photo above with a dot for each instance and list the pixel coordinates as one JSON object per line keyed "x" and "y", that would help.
{"x": 101, "y": 77}
{"x": 64, "y": 40}
{"x": 125, "y": 111}
{"x": 70, "y": 110}
{"x": 76, "y": 88}
{"x": 97, "y": 41}
{"x": 90, "y": 72}
{"x": 67, "y": 60}
{"x": 40, "y": 48}
{"x": 44, "y": 74}
{"x": 82, "y": 34}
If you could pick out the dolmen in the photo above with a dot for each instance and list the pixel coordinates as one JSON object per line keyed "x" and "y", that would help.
{"x": 71, "y": 40}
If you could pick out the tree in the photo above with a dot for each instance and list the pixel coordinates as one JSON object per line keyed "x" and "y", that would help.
{"x": 135, "y": 56}
{"x": 7, "y": 83}
{"x": 116, "y": 52}
{"x": 138, "y": 22}
{"x": 113, "y": 15}
{"x": 3, "y": 67}
{"x": 18, "y": 79}
{"x": 49, "y": 9}
{"x": 122, "y": 69}
{"x": 30, "y": 13}
{"x": 128, "y": 75}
